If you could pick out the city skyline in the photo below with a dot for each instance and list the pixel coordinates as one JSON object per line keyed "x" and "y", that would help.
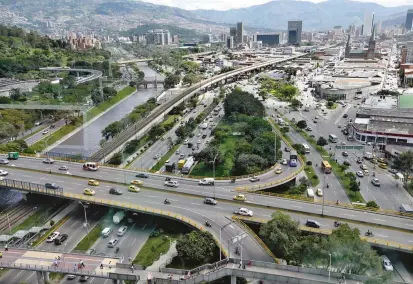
{"x": 221, "y": 5}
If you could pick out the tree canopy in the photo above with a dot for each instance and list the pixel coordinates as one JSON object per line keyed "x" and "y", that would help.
{"x": 242, "y": 102}
{"x": 196, "y": 246}
{"x": 404, "y": 164}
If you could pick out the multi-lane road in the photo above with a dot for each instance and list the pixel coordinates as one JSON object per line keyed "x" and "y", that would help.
{"x": 191, "y": 206}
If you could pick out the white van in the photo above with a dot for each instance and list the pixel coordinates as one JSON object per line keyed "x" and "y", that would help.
{"x": 122, "y": 230}
{"x": 206, "y": 181}
{"x": 310, "y": 192}
{"x": 106, "y": 232}
{"x": 203, "y": 125}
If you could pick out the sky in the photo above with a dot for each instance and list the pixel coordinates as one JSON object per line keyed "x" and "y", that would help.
{"x": 230, "y": 4}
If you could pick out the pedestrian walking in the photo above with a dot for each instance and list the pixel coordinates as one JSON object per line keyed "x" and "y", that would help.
{"x": 249, "y": 263}
{"x": 110, "y": 264}
{"x": 240, "y": 264}
{"x": 6, "y": 248}
{"x": 101, "y": 265}
{"x": 131, "y": 268}
{"x": 243, "y": 267}
{"x": 74, "y": 267}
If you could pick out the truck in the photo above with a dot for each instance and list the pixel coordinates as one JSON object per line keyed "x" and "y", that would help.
{"x": 170, "y": 167}
{"x": 206, "y": 181}
{"x": 405, "y": 208}
{"x": 181, "y": 164}
{"x": 118, "y": 217}
{"x": 13, "y": 156}
{"x": 188, "y": 165}
{"x": 368, "y": 156}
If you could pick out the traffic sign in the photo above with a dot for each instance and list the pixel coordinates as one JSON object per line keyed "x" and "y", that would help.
{"x": 349, "y": 147}
{"x": 238, "y": 238}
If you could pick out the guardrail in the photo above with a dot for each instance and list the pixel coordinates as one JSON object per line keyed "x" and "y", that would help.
{"x": 372, "y": 241}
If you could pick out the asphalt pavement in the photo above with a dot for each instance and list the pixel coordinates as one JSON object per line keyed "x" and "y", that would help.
{"x": 74, "y": 228}
{"x": 39, "y": 136}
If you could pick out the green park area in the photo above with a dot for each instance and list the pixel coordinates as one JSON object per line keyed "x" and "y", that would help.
{"x": 243, "y": 142}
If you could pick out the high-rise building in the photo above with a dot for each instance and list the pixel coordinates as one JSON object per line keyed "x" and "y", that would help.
{"x": 409, "y": 20}
{"x": 224, "y": 37}
{"x": 294, "y": 31}
{"x": 158, "y": 37}
{"x": 240, "y": 33}
{"x": 368, "y": 20}
{"x": 268, "y": 39}
{"x": 409, "y": 52}
{"x": 230, "y": 42}
{"x": 233, "y": 31}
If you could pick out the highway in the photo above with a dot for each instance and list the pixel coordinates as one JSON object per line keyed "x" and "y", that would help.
{"x": 86, "y": 140}
{"x": 192, "y": 206}
{"x": 74, "y": 228}
{"x": 39, "y": 136}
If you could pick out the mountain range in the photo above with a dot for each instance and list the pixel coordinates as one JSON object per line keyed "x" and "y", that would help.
{"x": 109, "y": 16}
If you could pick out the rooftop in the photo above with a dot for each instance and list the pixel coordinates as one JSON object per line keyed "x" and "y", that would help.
{"x": 406, "y": 101}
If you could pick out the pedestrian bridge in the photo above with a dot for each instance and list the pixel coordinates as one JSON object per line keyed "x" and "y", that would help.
{"x": 44, "y": 262}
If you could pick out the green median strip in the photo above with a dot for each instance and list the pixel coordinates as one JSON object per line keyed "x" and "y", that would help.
{"x": 90, "y": 114}
{"x": 165, "y": 158}
{"x": 152, "y": 249}
{"x": 88, "y": 241}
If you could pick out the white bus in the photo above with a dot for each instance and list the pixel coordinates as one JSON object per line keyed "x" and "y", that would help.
{"x": 90, "y": 166}
{"x": 332, "y": 138}
{"x": 306, "y": 148}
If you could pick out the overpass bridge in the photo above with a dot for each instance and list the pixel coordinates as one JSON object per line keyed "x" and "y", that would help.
{"x": 157, "y": 115}
{"x": 94, "y": 74}
{"x": 44, "y": 262}
{"x": 134, "y": 60}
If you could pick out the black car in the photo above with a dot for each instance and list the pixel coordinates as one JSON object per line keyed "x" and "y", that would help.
{"x": 49, "y": 185}
{"x": 59, "y": 240}
{"x": 48, "y": 161}
{"x": 287, "y": 149}
{"x": 142, "y": 175}
{"x": 115, "y": 191}
{"x": 204, "y": 136}
{"x": 345, "y": 154}
{"x": 345, "y": 115}
{"x": 312, "y": 224}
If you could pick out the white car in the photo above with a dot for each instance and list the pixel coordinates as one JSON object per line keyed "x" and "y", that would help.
{"x": 244, "y": 212}
{"x": 284, "y": 162}
{"x": 3, "y": 173}
{"x": 45, "y": 131}
{"x": 319, "y": 192}
{"x": 52, "y": 237}
{"x": 375, "y": 182}
{"x": 186, "y": 142}
{"x": 360, "y": 174}
{"x": 171, "y": 183}
{"x": 386, "y": 263}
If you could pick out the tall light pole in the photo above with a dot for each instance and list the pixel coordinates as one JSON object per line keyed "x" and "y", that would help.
{"x": 213, "y": 170}
{"x": 220, "y": 240}
{"x": 86, "y": 224}
{"x": 329, "y": 268}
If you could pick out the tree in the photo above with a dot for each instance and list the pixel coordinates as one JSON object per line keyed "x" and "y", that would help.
{"x": 330, "y": 104}
{"x": 156, "y": 131}
{"x": 249, "y": 164}
{"x": 171, "y": 81}
{"x": 354, "y": 186}
{"x": 285, "y": 129}
{"x": 112, "y": 129}
{"x": 52, "y": 222}
{"x": 300, "y": 148}
{"x": 404, "y": 164}
{"x": 242, "y": 102}
{"x": 116, "y": 159}
{"x": 322, "y": 141}
{"x": 280, "y": 234}
{"x": 302, "y": 124}
{"x": 196, "y": 246}
{"x": 372, "y": 204}
{"x": 191, "y": 78}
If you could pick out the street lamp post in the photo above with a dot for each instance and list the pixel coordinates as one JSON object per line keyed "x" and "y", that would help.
{"x": 213, "y": 170}
{"x": 86, "y": 224}
{"x": 329, "y": 267}
{"x": 220, "y": 233}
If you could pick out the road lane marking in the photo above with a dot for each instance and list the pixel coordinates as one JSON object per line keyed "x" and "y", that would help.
{"x": 152, "y": 196}
{"x": 379, "y": 220}
{"x": 295, "y": 206}
{"x": 381, "y": 236}
{"x": 350, "y": 215}
{"x": 73, "y": 224}
{"x": 30, "y": 276}
{"x": 18, "y": 274}
{"x": 91, "y": 280}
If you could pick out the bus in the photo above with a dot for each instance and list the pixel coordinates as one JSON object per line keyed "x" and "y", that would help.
{"x": 332, "y": 138}
{"x": 306, "y": 148}
{"x": 293, "y": 155}
{"x": 90, "y": 166}
{"x": 326, "y": 167}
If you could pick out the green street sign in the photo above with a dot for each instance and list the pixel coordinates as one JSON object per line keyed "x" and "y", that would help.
{"x": 349, "y": 147}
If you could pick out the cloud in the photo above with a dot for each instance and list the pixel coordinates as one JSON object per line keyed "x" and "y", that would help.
{"x": 231, "y": 4}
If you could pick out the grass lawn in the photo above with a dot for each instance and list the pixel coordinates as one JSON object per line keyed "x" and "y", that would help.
{"x": 165, "y": 157}
{"x": 90, "y": 239}
{"x": 312, "y": 176}
{"x": 107, "y": 104}
{"x": 171, "y": 119}
{"x": 334, "y": 106}
{"x": 54, "y": 137}
{"x": 55, "y": 277}
{"x": 37, "y": 219}
{"x": 152, "y": 249}
{"x": 202, "y": 170}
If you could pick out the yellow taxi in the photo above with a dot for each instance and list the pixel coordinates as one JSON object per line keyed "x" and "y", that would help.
{"x": 240, "y": 197}
{"x": 136, "y": 182}
{"x": 93, "y": 182}
{"x": 383, "y": 166}
{"x": 133, "y": 188}
{"x": 89, "y": 191}
{"x": 381, "y": 160}
{"x": 278, "y": 170}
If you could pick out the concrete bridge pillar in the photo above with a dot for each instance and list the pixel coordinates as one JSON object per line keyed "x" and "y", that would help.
{"x": 40, "y": 279}
{"x": 115, "y": 281}
{"x": 46, "y": 276}
{"x": 233, "y": 279}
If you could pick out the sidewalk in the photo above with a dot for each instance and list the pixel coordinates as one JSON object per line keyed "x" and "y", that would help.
{"x": 165, "y": 259}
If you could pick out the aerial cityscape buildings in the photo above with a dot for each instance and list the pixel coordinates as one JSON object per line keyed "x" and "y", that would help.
{"x": 409, "y": 20}
{"x": 294, "y": 32}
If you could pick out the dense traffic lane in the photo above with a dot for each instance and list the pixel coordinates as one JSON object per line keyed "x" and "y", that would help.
{"x": 157, "y": 181}
{"x": 193, "y": 207}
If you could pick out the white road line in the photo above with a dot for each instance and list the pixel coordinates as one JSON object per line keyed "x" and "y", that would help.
{"x": 295, "y": 206}
{"x": 379, "y": 220}
{"x": 106, "y": 281}
{"x": 73, "y": 224}
{"x": 152, "y": 196}
{"x": 173, "y": 199}
{"x": 30, "y": 276}
{"x": 348, "y": 215}
{"x": 410, "y": 225}
{"x": 381, "y": 236}
{"x": 91, "y": 280}
{"x": 17, "y": 274}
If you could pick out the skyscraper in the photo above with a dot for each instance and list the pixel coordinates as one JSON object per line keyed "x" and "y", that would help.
{"x": 409, "y": 20}
{"x": 294, "y": 31}
{"x": 368, "y": 20}
{"x": 240, "y": 32}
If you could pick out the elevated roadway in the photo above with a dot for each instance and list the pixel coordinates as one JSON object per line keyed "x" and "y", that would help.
{"x": 156, "y": 116}
{"x": 187, "y": 203}
{"x": 134, "y": 60}
{"x": 94, "y": 74}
